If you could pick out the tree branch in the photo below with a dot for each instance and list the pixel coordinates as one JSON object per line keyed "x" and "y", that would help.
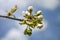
{"x": 11, "y": 18}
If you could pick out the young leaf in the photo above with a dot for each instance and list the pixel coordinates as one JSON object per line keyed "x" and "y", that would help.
{"x": 12, "y": 10}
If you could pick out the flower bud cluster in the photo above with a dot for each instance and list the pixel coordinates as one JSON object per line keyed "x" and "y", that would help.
{"x": 32, "y": 20}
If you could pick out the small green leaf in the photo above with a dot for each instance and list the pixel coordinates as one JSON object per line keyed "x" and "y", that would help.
{"x": 12, "y": 10}
{"x": 28, "y": 31}
{"x": 22, "y": 22}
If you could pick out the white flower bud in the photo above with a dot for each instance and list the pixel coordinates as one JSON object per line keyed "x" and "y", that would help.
{"x": 40, "y": 17}
{"x": 39, "y": 12}
{"x": 27, "y": 13}
{"x": 39, "y": 25}
{"x": 30, "y": 9}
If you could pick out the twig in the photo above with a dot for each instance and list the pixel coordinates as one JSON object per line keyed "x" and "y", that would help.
{"x": 11, "y": 18}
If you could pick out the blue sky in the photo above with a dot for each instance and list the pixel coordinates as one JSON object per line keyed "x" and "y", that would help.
{"x": 11, "y": 30}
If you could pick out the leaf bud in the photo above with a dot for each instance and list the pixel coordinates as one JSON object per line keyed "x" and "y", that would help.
{"x": 30, "y": 9}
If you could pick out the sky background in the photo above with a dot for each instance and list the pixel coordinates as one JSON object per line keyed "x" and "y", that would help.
{"x": 11, "y": 30}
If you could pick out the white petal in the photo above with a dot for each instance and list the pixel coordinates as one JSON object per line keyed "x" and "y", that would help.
{"x": 27, "y": 13}
{"x": 40, "y": 16}
{"x": 30, "y": 8}
{"x": 38, "y": 12}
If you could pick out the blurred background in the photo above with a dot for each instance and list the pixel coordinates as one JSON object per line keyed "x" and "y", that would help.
{"x": 12, "y": 30}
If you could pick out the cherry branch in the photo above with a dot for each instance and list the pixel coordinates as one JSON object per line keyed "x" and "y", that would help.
{"x": 11, "y": 18}
{"x": 31, "y": 20}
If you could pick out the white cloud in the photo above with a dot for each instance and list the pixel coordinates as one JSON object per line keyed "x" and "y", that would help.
{"x": 14, "y": 34}
{"x": 50, "y": 4}
{"x": 18, "y": 2}
{"x": 2, "y": 12}
{"x": 9, "y": 3}
{"x": 47, "y": 4}
{"x": 45, "y": 24}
